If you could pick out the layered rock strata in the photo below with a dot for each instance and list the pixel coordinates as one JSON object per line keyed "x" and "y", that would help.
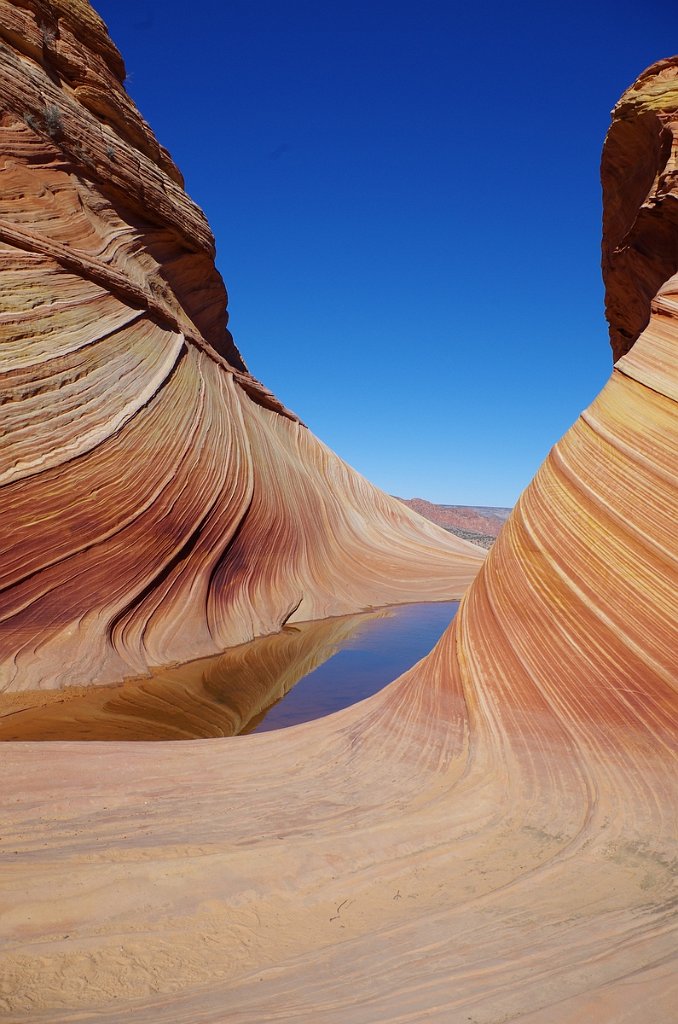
{"x": 490, "y": 838}
{"x": 223, "y": 695}
{"x": 158, "y": 503}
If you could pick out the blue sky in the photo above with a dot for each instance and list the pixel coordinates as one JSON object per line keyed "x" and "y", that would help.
{"x": 406, "y": 204}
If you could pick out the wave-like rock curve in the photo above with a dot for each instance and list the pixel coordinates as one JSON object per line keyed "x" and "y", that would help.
{"x": 490, "y": 838}
{"x": 158, "y": 503}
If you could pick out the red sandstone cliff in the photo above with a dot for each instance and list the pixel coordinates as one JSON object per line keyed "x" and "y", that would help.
{"x": 492, "y": 837}
{"x": 476, "y": 523}
{"x": 158, "y": 503}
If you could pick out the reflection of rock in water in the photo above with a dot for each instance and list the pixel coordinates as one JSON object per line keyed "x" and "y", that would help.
{"x": 211, "y": 697}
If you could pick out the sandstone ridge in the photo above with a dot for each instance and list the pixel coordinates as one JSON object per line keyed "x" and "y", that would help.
{"x": 491, "y": 837}
{"x": 158, "y": 503}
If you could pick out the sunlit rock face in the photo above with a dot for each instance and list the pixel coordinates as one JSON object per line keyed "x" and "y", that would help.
{"x": 158, "y": 503}
{"x": 490, "y": 838}
{"x": 222, "y": 695}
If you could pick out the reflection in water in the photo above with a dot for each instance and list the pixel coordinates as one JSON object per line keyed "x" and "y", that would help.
{"x": 242, "y": 689}
{"x": 371, "y": 657}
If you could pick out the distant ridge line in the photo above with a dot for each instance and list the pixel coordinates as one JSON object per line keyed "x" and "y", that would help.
{"x": 479, "y": 524}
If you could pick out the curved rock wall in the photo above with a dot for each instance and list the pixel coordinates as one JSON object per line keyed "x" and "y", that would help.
{"x": 158, "y": 503}
{"x": 640, "y": 206}
{"x": 490, "y": 838}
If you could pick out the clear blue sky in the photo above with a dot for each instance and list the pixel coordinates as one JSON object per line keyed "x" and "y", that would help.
{"x": 406, "y": 204}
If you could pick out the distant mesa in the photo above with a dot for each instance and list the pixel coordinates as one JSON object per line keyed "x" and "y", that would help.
{"x": 478, "y": 524}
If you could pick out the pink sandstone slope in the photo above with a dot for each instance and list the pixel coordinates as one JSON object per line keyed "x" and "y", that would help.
{"x": 490, "y": 838}
{"x": 158, "y": 503}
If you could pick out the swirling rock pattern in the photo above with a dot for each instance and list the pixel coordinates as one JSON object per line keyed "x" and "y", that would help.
{"x": 158, "y": 504}
{"x": 218, "y": 696}
{"x": 490, "y": 838}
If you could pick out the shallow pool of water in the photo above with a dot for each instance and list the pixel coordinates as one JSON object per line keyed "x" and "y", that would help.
{"x": 306, "y": 671}
{"x": 379, "y": 651}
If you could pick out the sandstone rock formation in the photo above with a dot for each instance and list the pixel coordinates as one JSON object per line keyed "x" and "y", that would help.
{"x": 158, "y": 504}
{"x": 490, "y": 838}
{"x": 478, "y": 523}
{"x": 222, "y": 695}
